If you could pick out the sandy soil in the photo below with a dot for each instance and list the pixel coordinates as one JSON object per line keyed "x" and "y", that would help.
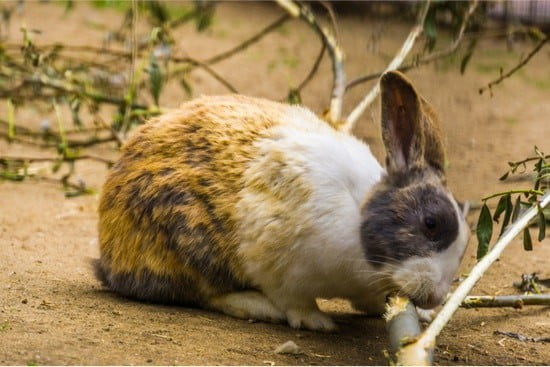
{"x": 53, "y": 310}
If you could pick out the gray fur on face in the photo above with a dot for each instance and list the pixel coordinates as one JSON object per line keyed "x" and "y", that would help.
{"x": 410, "y": 215}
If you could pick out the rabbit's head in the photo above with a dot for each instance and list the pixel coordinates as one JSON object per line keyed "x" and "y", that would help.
{"x": 413, "y": 230}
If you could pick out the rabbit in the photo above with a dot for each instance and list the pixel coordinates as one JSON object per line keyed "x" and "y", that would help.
{"x": 255, "y": 209}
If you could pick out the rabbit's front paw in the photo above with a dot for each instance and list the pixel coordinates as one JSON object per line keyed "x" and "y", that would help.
{"x": 310, "y": 319}
{"x": 425, "y": 315}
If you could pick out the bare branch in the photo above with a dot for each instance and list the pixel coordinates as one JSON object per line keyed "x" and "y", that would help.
{"x": 209, "y": 70}
{"x": 523, "y": 338}
{"x": 516, "y": 301}
{"x": 54, "y": 159}
{"x": 334, "y": 50}
{"x": 245, "y": 44}
{"x": 402, "y": 323}
{"x": 394, "y": 64}
{"x": 521, "y": 64}
{"x": 421, "y": 348}
{"x": 428, "y": 59}
{"x": 314, "y": 69}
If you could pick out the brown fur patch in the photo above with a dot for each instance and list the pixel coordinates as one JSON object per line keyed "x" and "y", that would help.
{"x": 168, "y": 206}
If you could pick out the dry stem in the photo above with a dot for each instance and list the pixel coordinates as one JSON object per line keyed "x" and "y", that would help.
{"x": 521, "y": 64}
{"x": 334, "y": 50}
{"x": 516, "y": 301}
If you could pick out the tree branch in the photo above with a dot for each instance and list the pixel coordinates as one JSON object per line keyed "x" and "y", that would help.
{"x": 334, "y": 50}
{"x": 48, "y": 159}
{"x": 402, "y": 324}
{"x": 394, "y": 64}
{"x": 245, "y": 44}
{"x": 314, "y": 69}
{"x": 516, "y": 301}
{"x": 521, "y": 64}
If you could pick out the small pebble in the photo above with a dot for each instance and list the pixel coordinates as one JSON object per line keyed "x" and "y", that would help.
{"x": 288, "y": 347}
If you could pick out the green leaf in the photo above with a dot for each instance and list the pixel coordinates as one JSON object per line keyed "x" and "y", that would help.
{"x": 11, "y": 120}
{"x": 507, "y": 213}
{"x": 294, "y": 97}
{"x": 158, "y": 11}
{"x": 504, "y": 176}
{"x": 430, "y": 30}
{"x": 484, "y": 231}
{"x": 155, "y": 79}
{"x": 501, "y": 207}
{"x": 57, "y": 165}
{"x": 75, "y": 112}
{"x": 186, "y": 87}
{"x": 204, "y": 15}
{"x": 535, "y": 34}
{"x": 517, "y": 207}
{"x": 469, "y": 52}
{"x": 527, "y": 242}
{"x": 542, "y": 225}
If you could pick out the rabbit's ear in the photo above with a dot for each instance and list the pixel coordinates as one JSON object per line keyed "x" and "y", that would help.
{"x": 402, "y": 125}
{"x": 434, "y": 152}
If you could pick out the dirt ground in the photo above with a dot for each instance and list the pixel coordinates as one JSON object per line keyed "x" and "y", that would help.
{"x": 53, "y": 310}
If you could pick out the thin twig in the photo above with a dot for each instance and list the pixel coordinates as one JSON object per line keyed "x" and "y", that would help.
{"x": 523, "y": 338}
{"x": 428, "y": 59}
{"x": 215, "y": 75}
{"x": 530, "y": 192}
{"x": 394, "y": 64}
{"x": 419, "y": 350}
{"x": 521, "y": 64}
{"x": 516, "y": 301}
{"x": 314, "y": 69}
{"x": 246, "y": 43}
{"x": 335, "y": 51}
{"x": 51, "y": 159}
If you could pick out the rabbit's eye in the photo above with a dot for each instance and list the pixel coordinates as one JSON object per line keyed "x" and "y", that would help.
{"x": 430, "y": 222}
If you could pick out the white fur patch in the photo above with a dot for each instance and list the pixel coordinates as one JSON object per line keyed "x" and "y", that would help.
{"x": 299, "y": 229}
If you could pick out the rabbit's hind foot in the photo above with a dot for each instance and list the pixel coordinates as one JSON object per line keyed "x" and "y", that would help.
{"x": 310, "y": 318}
{"x": 247, "y": 305}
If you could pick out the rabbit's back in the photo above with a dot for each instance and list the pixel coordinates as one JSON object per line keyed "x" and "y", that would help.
{"x": 187, "y": 189}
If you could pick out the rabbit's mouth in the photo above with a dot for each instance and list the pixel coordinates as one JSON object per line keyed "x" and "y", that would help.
{"x": 427, "y": 301}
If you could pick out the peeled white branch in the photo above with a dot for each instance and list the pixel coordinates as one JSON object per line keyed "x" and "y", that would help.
{"x": 394, "y": 64}
{"x": 402, "y": 322}
{"x": 334, "y": 50}
{"x": 418, "y": 353}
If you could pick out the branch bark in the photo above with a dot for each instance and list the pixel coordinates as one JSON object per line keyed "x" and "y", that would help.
{"x": 334, "y": 50}
{"x": 418, "y": 353}
{"x": 402, "y": 323}
{"x": 516, "y": 301}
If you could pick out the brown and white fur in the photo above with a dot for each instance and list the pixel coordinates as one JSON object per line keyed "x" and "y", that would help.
{"x": 256, "y": 209}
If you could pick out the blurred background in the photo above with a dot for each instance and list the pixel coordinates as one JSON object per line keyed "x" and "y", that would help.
{"x": 76, "y": 78}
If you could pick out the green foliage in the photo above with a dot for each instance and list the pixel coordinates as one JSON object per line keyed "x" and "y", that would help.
{"x": 484, "y": 231}
{"x": 511, "y": 212}
{"x": 294, "y": 97}
{"x": 155, "y": 79}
